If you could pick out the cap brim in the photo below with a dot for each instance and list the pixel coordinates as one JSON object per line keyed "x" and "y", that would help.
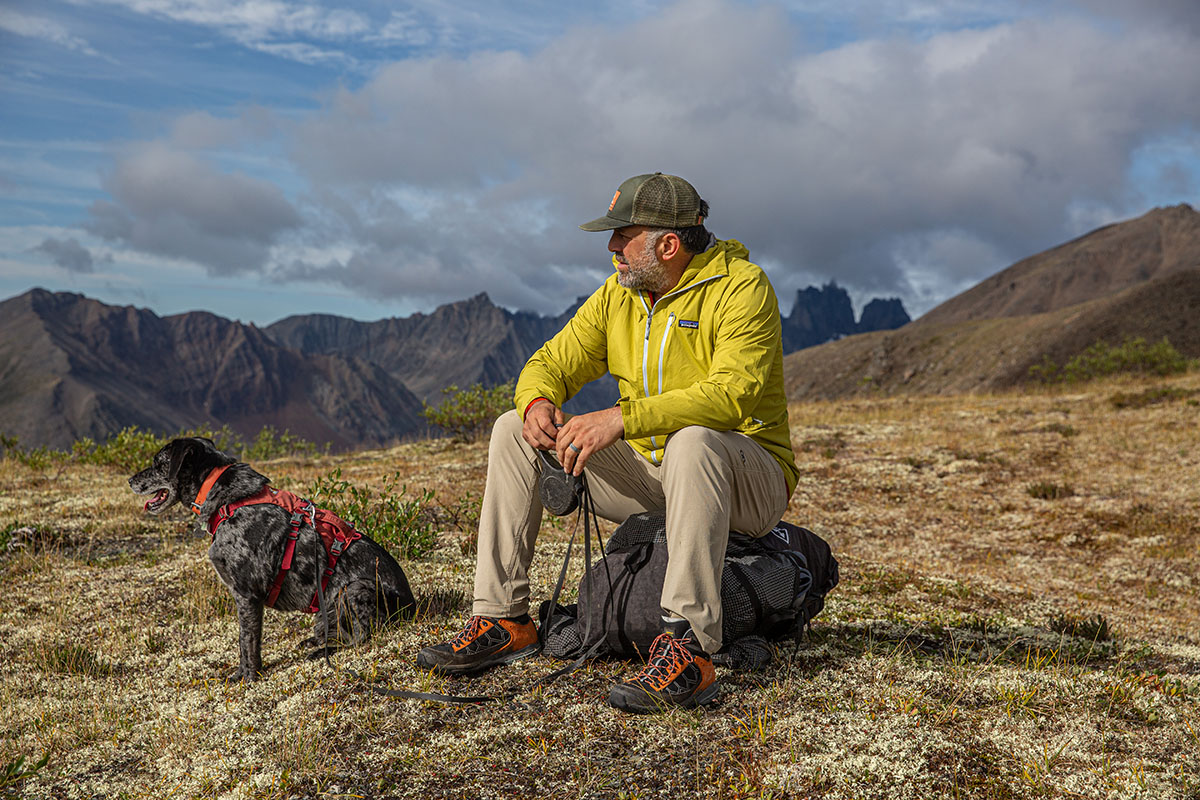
{"x": 605, "y": 223}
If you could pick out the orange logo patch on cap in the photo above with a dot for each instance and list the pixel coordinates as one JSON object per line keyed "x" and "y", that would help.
{"x": 614, "y": 200}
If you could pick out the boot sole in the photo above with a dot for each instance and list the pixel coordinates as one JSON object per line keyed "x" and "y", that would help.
{"x": 559, "y": 491}
{"x": 481, "y": 666}
{"x": 638, "y": 701}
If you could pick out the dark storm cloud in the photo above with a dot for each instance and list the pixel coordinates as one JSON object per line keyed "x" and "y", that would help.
{"x": 68, "y": 254}
{"x": 1170, "y": 13}
{"x": 910, "y": 165}
{"x": 171, "y": 203}
{"x": 857, "y": 164}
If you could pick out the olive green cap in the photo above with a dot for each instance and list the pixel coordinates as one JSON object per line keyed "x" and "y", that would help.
{"x": 657, "y": 200}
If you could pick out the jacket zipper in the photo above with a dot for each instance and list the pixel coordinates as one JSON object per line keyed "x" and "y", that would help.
{"x": 662, "y": 351}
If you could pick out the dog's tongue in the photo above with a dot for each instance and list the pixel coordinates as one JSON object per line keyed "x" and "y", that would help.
{"x": 158, "y": 496}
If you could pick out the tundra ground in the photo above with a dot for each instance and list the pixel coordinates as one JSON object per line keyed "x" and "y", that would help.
{"x": 1017, "y": 618}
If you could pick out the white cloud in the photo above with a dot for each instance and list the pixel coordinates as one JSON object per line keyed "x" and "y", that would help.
{"x": 256, "y": 20}
{"x": 893, "y": 165}
{"x": 36, "y": 27}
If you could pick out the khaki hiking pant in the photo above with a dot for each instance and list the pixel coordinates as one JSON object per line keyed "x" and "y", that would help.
{"x": 710, "y": 482}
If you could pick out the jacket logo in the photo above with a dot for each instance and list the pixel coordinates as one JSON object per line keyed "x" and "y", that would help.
{"x": 689, "y": 323}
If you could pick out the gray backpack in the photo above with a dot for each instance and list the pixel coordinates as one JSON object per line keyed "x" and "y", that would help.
{"x": 771, "y": 588}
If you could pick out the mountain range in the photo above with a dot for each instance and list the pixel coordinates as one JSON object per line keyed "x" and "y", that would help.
{"x": 73, "y": 367}
{"x": 1137, "y": 278}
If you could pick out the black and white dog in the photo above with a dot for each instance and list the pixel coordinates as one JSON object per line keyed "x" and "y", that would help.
{"x": 252, "y": 554}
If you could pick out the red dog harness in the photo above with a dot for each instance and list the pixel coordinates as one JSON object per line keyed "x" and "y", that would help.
{"x": 336, "y": 534}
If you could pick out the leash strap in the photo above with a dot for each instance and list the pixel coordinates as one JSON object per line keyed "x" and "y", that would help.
{"x": 433, "y": 697}
{"x": 587, "y": 510}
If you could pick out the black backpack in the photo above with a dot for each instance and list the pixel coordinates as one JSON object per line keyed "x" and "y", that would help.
{"x": 771, "y": 588}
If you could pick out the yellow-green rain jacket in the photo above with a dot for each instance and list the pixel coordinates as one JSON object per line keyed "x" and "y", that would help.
{"x": 709, "y": 353}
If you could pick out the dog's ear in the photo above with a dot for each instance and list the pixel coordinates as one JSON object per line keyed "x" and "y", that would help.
{"x": 180, "y": 451}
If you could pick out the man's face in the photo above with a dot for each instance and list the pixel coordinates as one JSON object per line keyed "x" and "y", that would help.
{"x": 638, "y": 265}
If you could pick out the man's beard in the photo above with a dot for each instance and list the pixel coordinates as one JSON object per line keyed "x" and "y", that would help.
{"x": 646, "y": 272}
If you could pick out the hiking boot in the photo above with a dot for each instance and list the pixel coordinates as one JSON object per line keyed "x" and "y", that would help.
{"x": 678, "y": 675}
{"x": 485, "y": 642}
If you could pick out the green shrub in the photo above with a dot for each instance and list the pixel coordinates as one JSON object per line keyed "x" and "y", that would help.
{"x": 269, "y": 444}
{"x": 129, "y": 449}
{"x": 14, "y": 773}
{"x": 39, "y": 458}
{"x": 405, "y": 527}
{"x": 468, "y": 413}
{"x": 133, "y": 448}
{"x": 1100, "y": 359}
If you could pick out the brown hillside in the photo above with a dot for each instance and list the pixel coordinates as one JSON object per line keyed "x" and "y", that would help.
{"x": 993, "y": 354}
{"x": 1102, "y": 263}
{"x": 71, "y": 367}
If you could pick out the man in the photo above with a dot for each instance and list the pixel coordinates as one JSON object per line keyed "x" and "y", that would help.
{"x": 690, "y": 329}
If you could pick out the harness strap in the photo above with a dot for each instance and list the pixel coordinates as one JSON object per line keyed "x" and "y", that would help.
{"x": 207, "y": 486}
{"x": 289, "y": 550}
{"x": 306, "y": 512}
{"x": 342, "y": 540}
{"x": 226, "y": 511}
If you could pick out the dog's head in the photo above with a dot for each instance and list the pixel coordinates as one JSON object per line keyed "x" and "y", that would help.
{"x": 177, "y": 472}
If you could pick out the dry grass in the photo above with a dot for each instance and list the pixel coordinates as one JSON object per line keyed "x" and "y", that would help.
{"x": 988, "y": 640}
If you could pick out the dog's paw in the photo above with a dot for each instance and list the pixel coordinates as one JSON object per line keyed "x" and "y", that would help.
{"x": 311, "y": 643}
{"x": 240, "y": 675}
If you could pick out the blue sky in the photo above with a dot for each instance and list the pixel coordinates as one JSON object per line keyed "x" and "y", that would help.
{"x": 261, "y": 158}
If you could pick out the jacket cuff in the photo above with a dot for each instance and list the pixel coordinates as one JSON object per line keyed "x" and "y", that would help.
{"x": 525, "y": 413}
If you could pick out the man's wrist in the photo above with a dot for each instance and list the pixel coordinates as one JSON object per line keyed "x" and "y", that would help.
{"x": 532, "y": 403}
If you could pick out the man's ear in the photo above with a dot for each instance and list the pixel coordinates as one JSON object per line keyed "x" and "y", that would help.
{"x": 669, "y": 246}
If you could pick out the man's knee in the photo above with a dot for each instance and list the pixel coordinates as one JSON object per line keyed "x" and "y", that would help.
{"x": 695, "y": 448}
{"x": 508, "y": 424}
{"x": 693, "y": 442}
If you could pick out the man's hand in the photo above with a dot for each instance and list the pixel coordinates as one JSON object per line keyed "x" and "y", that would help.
{"x": 542, "y": 422}
{"x": 585, "y": 434}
